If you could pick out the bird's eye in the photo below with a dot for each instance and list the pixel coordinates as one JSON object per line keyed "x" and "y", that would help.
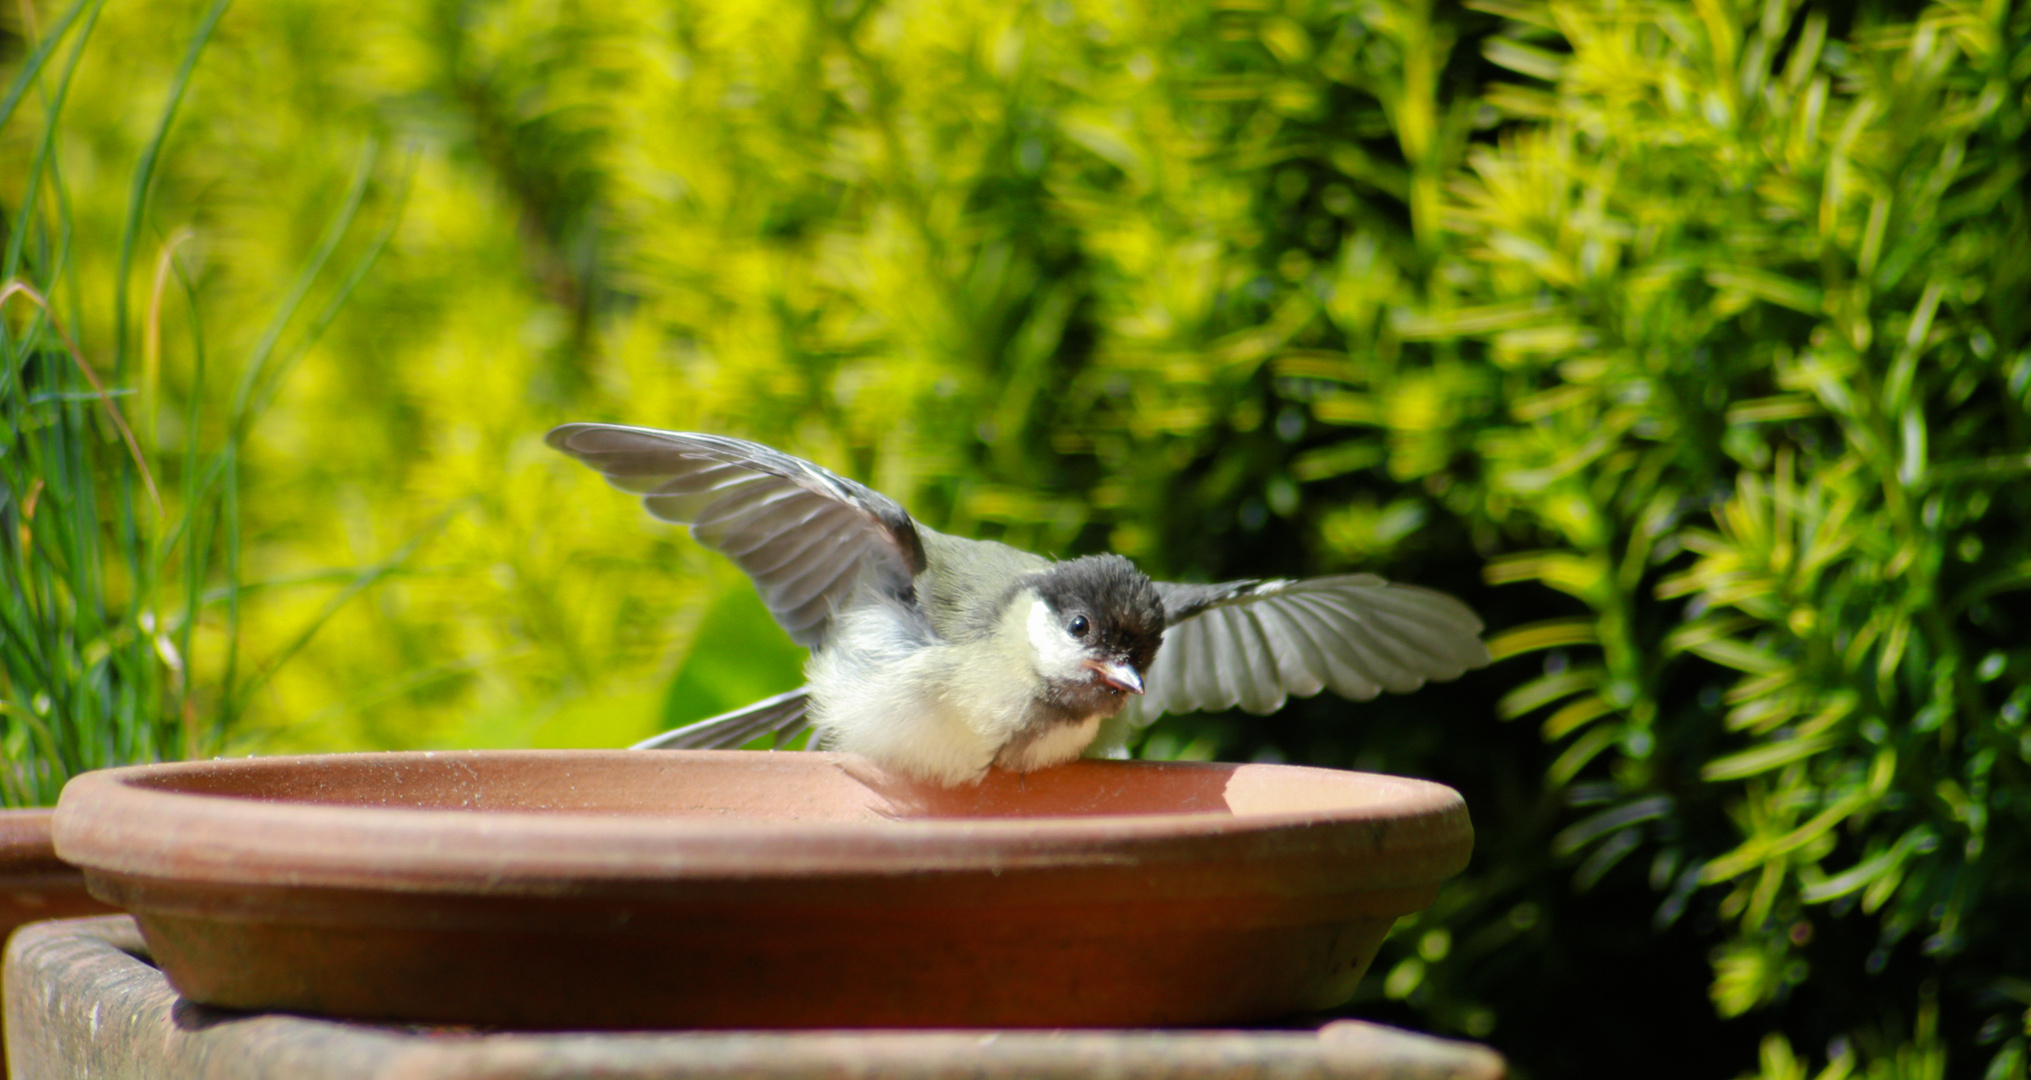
{"x": 1078, "y": 626}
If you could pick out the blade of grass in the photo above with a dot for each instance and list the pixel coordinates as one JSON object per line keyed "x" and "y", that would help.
{"x": 32, "y": 66}
{"x": 144, "y": 175}
{"x": 45, "y": 152}
{"x": 94, "y": 673}
{"x": 229, "y": 514}
{"x": 197, "y": 519}
{"x": 151, "y": 334}
{"x": 323, "y": 319}
{"x": 14, "y": 288}
{"x": 243, "y": 394}
{"x": 245, "y": 409}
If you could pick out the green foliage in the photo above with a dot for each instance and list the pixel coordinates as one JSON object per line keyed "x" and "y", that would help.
{"x": 120, "y": 545}
{"x": 1687, "y": 338}
{"x": 1756, "y": 301}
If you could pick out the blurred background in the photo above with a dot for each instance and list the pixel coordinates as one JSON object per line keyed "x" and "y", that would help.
{"x": 1689, "y": 341}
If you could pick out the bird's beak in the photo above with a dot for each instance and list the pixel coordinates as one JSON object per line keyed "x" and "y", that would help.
{"x": 1118, "y": 675}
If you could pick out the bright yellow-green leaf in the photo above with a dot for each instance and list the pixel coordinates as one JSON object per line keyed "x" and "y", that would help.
{"x": 1550, "y": 634}
{"x": 1764, "y": 758}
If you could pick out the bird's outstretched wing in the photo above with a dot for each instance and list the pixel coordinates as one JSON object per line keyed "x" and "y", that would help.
{"x": 807, "y": 536}
{"x": 783, "y": 714}
{"x": 1256, "y": 643}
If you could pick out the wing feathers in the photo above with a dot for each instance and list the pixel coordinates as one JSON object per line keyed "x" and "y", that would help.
{"x": 1253, "y": 644}
{"x": 1279, "y": 652}
{"x": 1259, "y": 696}
{"x": 817, "y": 576}
{"x": 1376, "y": 656}
{"x": 1235, "y": 680}
{"x": 1346, "y": 669}
{"x": 1301, "y": 663}
{"x": 1433, "y": 626}
{"x": 641, "y": 474}
{"x": 806, "y": 536}
{"x": 767, "y": 551}
{"x": 782, "y": 714}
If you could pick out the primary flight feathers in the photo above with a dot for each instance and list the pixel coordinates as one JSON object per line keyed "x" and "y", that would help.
{"x": 1252, "y": 644}
{"x": 806, "y": 535}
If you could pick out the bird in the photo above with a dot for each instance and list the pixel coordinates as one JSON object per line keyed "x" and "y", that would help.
{"x": 939, "y": 657}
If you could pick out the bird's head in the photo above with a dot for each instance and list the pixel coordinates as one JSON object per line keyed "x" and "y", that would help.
{"x": 1094, "y": 627}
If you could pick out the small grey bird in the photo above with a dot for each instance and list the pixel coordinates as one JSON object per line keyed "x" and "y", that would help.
{"x": 939, "y": 657}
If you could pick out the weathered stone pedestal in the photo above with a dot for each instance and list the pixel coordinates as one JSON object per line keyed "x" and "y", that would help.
{"x": 83, "y": 1000}
{"x": 35, "y": 884}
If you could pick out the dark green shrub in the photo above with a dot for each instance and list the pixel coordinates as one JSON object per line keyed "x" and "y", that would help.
{"x": 1724, "y": 337}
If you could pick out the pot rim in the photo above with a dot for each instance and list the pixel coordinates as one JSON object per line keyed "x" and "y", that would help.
{"x": 130, "y": 821}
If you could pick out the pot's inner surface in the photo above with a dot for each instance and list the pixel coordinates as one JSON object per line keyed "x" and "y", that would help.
{"x": 764, "y": 786}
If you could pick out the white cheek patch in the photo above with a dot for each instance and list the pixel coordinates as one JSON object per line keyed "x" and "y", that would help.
{"x": 1058, "y": 655}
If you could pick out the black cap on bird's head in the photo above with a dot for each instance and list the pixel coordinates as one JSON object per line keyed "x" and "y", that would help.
{"x": 1112, "y": 609}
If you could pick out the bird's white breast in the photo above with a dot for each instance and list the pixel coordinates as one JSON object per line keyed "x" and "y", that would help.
{"x": 889, "y": 689}
{"x": 1060, "y": 744}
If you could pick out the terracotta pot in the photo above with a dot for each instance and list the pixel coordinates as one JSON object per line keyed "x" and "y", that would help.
{"x": 616, "y": 889}
{"x": 34, "y": 883}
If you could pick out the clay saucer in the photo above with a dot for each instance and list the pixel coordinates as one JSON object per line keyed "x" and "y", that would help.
{"x": 633, "y": 889}
{"x": 34, "y": 883}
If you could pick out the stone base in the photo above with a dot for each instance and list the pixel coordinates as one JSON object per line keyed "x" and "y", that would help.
{"x": 83, "y": 1000}
{"x": 36, "y": 885}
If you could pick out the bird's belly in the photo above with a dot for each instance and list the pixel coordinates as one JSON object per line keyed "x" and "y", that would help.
{"x": 1056, "y": 745}
{"x": 905, "y": 733}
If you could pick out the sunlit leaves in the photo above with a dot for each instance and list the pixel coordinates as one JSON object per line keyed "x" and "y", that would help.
{"x": 1732, "y": 384}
